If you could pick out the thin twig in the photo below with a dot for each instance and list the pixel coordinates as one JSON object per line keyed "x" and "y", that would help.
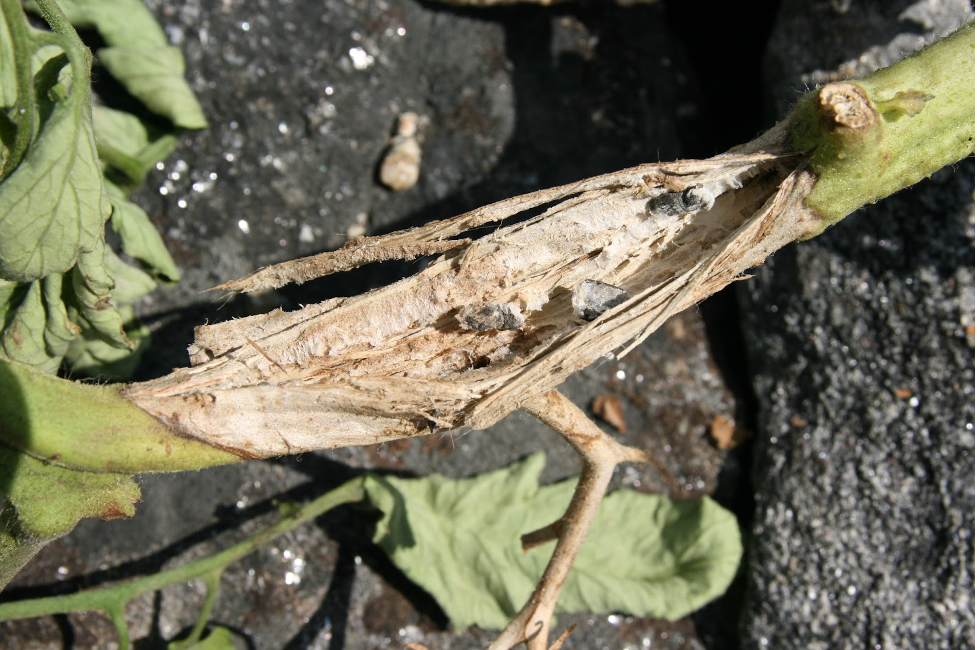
{"x": 600, "y": 454}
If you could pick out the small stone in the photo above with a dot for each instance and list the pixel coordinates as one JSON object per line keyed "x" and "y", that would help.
{"x": 400, "y": 167}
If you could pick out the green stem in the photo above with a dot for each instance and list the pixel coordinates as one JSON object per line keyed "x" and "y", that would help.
{"x": 60, "y": 24}
{"x": 873, "y": 137}
{"x": 83, "y": 426}
{"x": 113, "y": 599}
{"x": 24, "y": 41}
{"x": 25, "y": 110}
{"x": 117, "y": 614}
{"x": 80, "y": 60}
{"x": 213, "y": 582}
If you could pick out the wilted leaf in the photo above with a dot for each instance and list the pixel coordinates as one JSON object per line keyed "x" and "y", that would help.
{"x": 52, "y": 206}
{"x": 95, "y": 354}
{"x": 155, "y": 77}
{"x": 139, "y": 237}
{"x": 89, "y": 354}
{"x": 90, "y": 303}
{"x": 645, "y": 555}
{"x": 50, "y": 500}
{"x": 36, "y": 328}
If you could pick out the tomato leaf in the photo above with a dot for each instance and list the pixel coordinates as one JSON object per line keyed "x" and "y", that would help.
{"x": 155, "y": 77}
{"x": 50, "y": 500}
{"x": 36, "y": 327}
{"x": 52, "y": 207}
{"x": 127, "y": 144}
{"x": 118, "y": 21}
{"x": 645, "y": 555}
{"x": 139, "y": 237}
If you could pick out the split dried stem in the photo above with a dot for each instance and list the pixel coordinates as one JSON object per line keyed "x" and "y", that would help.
{"x": 397, "y": 361}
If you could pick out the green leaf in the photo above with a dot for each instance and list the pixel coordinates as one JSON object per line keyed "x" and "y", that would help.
{"x": 45, "y": 53}
{"x": 52, "y": 206}
{"x": 130, "y": 283}
{"x": 95, "y": 354}
{"x": 139, "y": 57}
{"x": 139, "y": 236}
{"x": 8, "y": 75}
{"x": 126, "y": 144}
{"x": 52, "y": 79}
{"x": 90, "y": 355}
{"x": 90, "y": 298}
{"x": 154, "y": 75}
{"x": 36, "y": 328}
{"x": 50, "y": 500}
{"x": 120, "y": 22}
{"x": 460, "y": 540}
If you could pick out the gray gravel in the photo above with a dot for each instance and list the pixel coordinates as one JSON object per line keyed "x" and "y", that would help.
{"x": 863, "y": 349}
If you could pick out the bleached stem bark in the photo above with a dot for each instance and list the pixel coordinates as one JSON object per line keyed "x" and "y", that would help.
{"x": 600, "y": 454}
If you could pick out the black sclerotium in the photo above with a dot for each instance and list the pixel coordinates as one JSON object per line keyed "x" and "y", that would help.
{"x": 485, "y": 316}
{"x": 592, "y": 298}
{"x": 673, "y": 204}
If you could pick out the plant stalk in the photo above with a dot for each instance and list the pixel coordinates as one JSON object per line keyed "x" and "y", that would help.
{"x": 111, "y": 598}
{"x": 873, "y": 137}
{"x": 25, "y": 110}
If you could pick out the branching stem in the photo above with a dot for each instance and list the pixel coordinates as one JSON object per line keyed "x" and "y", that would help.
{"x": 60, "y": 24}
{"x": 600, "y": 454}
{"x": 112, "y": 599}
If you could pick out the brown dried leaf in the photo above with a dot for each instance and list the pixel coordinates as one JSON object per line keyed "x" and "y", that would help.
{"x": 725, "y": 432}
{"x": 608, "y": 408}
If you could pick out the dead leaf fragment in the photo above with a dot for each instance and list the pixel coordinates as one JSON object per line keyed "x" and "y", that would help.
{"x": 608, "y": 408}
{"x": 726, "y": 434}
{"x": 722, "y": 430}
